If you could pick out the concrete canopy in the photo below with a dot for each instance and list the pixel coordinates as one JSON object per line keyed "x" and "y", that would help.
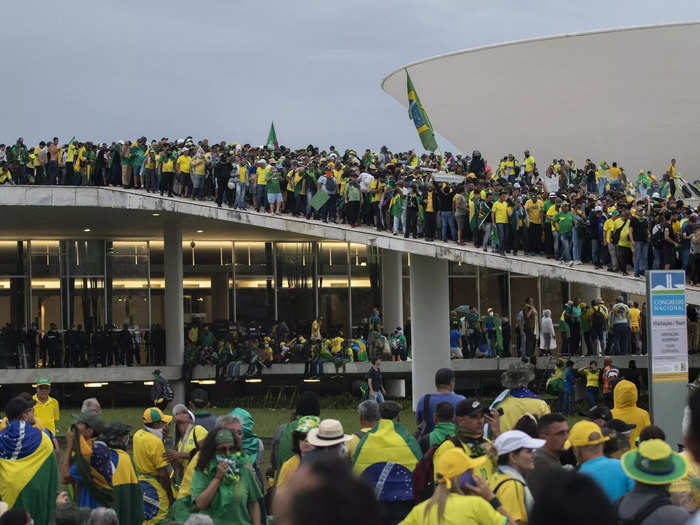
{"x": 625, "y": 95}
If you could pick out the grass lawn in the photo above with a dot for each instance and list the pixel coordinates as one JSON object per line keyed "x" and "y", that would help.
{"x": 266, "y": 420}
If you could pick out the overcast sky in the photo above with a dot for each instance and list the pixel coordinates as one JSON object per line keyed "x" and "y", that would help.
{"x": 223, "y": 69}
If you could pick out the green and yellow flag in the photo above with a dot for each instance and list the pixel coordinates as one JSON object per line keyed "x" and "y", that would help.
{"x": 417, "y": 114}
{"x": 28, "y": 471}
{"x": 272, "y": 138}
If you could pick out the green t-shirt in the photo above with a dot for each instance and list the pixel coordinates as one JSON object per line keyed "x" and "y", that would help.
{"x": 230, "y": 505}
{"x": 273, "y": 183}
{"x": 353, "y": 192}
{"x": 565, "y": 221}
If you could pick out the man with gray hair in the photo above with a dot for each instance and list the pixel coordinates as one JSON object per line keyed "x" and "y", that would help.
{"x": 199, "y": 519}
{"x": 91, "y": 404}
{"x": 103, "y": 516}
{"x": 368, "y": 412}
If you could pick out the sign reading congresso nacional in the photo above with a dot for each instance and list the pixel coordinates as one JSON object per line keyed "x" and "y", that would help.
{"x": 668, "y": 335}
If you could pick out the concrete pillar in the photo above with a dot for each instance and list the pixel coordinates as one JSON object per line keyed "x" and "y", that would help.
{"x": 430, "y": 322}
{"x": 219, "y": 296}
{"x": 173, "y": 303}
{"x": 392, "y": 290}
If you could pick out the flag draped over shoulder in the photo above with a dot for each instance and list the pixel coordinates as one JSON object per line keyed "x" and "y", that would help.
{"x": 417, "y": 114}
{"x": 272, "y": 138}
{"x": 128, "y": 498}
{"x": 28, "y": 471}
{"x": 385, "y": 457}
{"x": 93, "y": 461}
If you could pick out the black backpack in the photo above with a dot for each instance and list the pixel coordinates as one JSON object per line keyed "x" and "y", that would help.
{"x": 598, "y": 318}
{"x": 657, "y": 237}
{"x": 331, "y": 184}
{"x": 422, "y": 428}
{"x": 615, "y": 235}
{"x": 642, "y": 514}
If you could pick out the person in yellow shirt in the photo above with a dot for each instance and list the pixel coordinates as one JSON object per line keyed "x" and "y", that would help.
{"x": 534, "y": 207}
{"x": 46, "y": 408}
{"x": 516, "y": 456}
{"x": 188, "y": 439}
{"x": 671, "y": 173}
{"x": 592, "y": 375}
{"x": 198, "y": 167}
{"x": 529, "y": 162}
{"x": 608, "y": 227}
{"x": 150, "y": 181}
{"x": 166, "y": 166}
{"x": 151, "y": 465}
{"x": 260, "y": 195}
{"x": 636, "y": 328}
{"x": 453, "y": 501}
{"x": 183, "y": 168}
{"x": 500, "y": 215}
{"x": 615, "y": 177}
{"x": 624, "y": 244}
{"x": 300, "y": 447}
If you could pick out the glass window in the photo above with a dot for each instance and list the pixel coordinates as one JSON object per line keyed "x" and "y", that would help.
{"x": 45, "y": 259}
{"x": 296, "y": 302}
{"x": 493, "y": 289}
{"x": 13, "y": 258}
{"x": 462, "y": 291}
{"x": 254, "y": 282}
{"x": 365, "y": 290}
{"x": 127, "y": 269}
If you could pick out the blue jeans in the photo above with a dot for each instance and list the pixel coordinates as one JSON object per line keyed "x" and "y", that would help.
{"x": 241, "y": 189}
{"x": 501, "y": 229}
{"x": 53, "y": 172}
{"x": 556, "y": 245}
{"x": 260, "y": 197}
{"x": 378, "y": 397}
{"x": 578, "y": 241}
{"x": 309, "y": 196}
{"x": 641, "y": 257}
{"x": 685, "y": 257}
{"x": 565, "y": 242}
{"x": 565, "y": 403}
{"x": 658, "y": 258}
{"x": 592, "y": 393}
{"x": 328, "y": 209}
{"x": 448, "y": 220}
{"x": 621, "y": 338}
{"x": 602, "y": 181}
{"x": 615, "y": 185}
{"x": 595, "y": 252}
{"x": 136, "y": 172}
{"x": 487, "y": 236}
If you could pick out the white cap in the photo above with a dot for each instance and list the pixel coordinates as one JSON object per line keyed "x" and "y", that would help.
{"x": 598, "y": 208}
{"x": 552, "y": 194}
{"x": 516, "y": 185}
{"x": 515, "y": 439}
{"x": 655, "y": 195}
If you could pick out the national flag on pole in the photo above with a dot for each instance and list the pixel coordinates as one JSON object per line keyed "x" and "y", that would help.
{"x": 28, "y": 471}
{"x": 417, "y": 114}
{"x": 272, "y": 138}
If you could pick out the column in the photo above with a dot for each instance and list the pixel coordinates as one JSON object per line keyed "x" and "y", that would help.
{"x": 219, "y": 296}
{"x": 430, "y": 322}
{"x": 173, "y": 299}
{"x": 392, "y": 290}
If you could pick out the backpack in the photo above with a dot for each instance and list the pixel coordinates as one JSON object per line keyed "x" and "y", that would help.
{"x": 422, "y": 428}
{"x": 331, "y": 184}
{"x": 598, "y": 318}
{"x": 615, "y": 235}
{"x": 642, "y": 514}
{"x": 657, "y": 237}
{"x": 423, "y": 477}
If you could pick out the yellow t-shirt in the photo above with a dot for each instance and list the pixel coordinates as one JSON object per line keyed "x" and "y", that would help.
{"x": 70, "y": 153}
{"x": 500, "y": 210}
{"x": 376, "y": 185}
{"x": 671, "y": 172}
{"x": 592, "y": 377}
{"x": 529, "y": 164}
{"x": 48, "y": 413}
{"x": 242, "y": 173}
{"x": 148, "y": 452}
{"x": 690, "y": 483}
{"x": 430, "y": 201}
{"x": 188, "y": 445}
{"x": 261, "y": 174}
{"x": 184, "y": 163}
{"x": 287, "y": 469}
{"x": 614, "y": 173}
{"x": 534, "y": 210}
{"x": 465, "y": 510}
{"x": 511, "y": 495}
{"x": 635, "y": 316}
{"x": 551, "y": 212}
{"x": 198, "y": 166}
{"x": 607, "y": 229}
{"x": 150, "y": 163}
{"x": 167, "y": 165}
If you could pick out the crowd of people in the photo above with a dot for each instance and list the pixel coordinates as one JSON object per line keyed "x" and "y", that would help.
{"x": 595, "y": 213}
{"x": 513, "y": 461}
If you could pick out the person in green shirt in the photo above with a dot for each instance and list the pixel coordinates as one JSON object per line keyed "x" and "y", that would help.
{"x": 274, "y": 191}
{"x": 352, "y": 196}
{"x": 223, "y": 486}
{"x": 444, "y": 428}
{"x": 565, "y": 221}
{"x": 398, "y": 345}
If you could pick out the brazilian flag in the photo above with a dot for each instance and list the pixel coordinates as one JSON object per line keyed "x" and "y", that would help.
{"x": 385, "y": 457}
{"x": 417, "y": 114}
{"x": 326, "y": 354}
{"x": 28, "y": 471}
{"x": 360, "y": 349}
{"x": 128, "y": 498}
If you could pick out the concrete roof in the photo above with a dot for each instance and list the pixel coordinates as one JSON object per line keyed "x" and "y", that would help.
{"x": 625, "y": 95}
{"x": 42, "y": 212}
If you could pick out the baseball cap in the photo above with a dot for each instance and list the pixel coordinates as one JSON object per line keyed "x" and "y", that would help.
{"x": 585, "y": 433}
{"x": 598, "y": 208}
{"x": 619, "y": 426}
{"x": 454, "y": 462}
{"x": 154, "y": 414}
{"x": 43, "y": 381}
{"x": 598, "y": 412}
{"x": 15, "y": 407}
{"x": 512, "y": 440}
{"x": 469, "y": 406}
{"x": 91, "y": 419}
{"x": 306, "y": 423}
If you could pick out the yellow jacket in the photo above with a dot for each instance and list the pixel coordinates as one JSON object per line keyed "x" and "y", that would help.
{"x": 625, "y": 398}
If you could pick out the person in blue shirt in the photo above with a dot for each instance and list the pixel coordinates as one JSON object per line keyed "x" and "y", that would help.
{"x": 445, "y": 385}
{"x": 569, "y": 386}
{"x": 587, "y": 441}
{"x": 456, "y": 343}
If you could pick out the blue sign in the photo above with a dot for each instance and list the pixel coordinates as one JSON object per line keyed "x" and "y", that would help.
{"x": 667, "y": 293}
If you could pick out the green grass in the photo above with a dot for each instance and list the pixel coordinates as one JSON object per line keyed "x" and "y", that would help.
{"x": 266, "y": 420}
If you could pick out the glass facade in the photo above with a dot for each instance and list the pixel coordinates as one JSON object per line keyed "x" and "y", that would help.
{"x": 116, "y": 282}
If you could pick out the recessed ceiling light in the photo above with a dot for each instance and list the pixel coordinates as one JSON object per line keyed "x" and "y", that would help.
{"x": 86, "y": 230}
{"x": 155, "y": 214}
{"x": 200, "y": 231}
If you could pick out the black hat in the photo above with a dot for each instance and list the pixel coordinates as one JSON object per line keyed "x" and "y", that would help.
{"x": 619, "y": 426}
{"x": 15, "y": 407}
{"x": 469, "y": 407}
{"x": 598, "y": 412}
